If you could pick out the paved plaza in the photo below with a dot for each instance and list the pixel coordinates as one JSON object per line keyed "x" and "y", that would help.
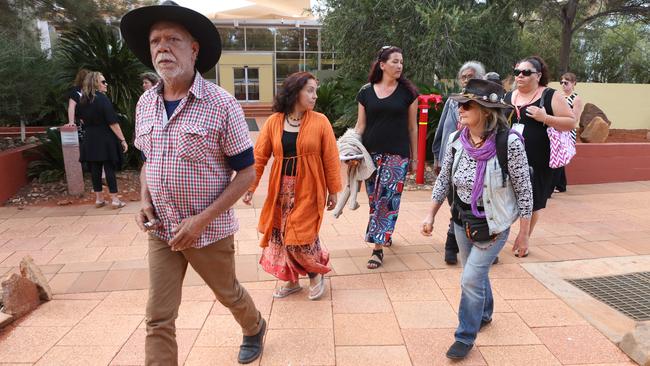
{"x": 404, "y": 313}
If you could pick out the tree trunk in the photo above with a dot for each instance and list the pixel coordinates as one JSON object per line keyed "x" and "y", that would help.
{"x": 567, "y": 17}
{"x": 23, "y": 132}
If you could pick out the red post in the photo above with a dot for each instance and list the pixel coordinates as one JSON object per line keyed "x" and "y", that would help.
{"x": 423, "y": 106}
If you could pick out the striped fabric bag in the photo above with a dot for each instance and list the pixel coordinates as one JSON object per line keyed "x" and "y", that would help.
{"x": 563, "y": 147}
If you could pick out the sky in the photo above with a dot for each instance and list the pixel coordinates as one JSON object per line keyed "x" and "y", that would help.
{"x": 211, "y": 6}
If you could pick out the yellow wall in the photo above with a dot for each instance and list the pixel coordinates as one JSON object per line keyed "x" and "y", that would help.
{"x": 626, "y": 105}
{"x": 263, "y": 61}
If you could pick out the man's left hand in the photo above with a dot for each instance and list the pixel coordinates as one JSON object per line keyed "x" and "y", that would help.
{"x": 187, "y": 232}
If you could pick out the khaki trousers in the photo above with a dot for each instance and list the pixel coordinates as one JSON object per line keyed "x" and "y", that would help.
{"x": 216, "y": 265}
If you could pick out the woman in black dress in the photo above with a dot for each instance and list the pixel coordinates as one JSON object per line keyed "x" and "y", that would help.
{"x": 536, "y": 108}
{"x": 103, "y": 143}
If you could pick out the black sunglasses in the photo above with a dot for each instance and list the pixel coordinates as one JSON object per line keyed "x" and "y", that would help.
{"x": 526, "y": 72}
{"x": 466, "y": 106}
{"x": 104, "y": 82}
{"x": 564, "y": 82}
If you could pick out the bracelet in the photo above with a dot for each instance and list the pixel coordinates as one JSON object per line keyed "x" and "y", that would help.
{"x": 122, "y": 140}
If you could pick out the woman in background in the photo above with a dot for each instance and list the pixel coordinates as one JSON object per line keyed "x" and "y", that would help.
{"x": 104, "y": 142}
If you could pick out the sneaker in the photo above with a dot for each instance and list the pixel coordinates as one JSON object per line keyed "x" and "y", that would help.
{"x": 459, "y": 350}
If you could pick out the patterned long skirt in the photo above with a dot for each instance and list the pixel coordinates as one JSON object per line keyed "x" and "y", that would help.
{"x": 384, "y": 189}
{"x": 288, "y": 262}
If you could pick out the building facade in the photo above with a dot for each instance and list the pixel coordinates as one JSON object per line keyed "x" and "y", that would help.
{"x": 261, "y": 48}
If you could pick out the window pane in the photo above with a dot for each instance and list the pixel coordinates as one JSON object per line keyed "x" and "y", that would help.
{"x": 232, "y": 38}
{"x": 259, "y": 39}
{"x": 311, "y": 39}
{"x": 286, "y": 64}
{"x": 329, "y": 61}
{"x": 311, "y": 62}
{"x": 239, "y": 73}
{"x": 289, "y": 39}
{"x": 253, "y": 73}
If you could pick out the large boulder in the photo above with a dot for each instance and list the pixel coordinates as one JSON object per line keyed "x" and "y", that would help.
{"x": 30, "y": 270}
{"x": 637, "y": 344}
{"x": 20, "y": 296}
{"x": 589, "y": 112}
{"x": 596, "y": 131}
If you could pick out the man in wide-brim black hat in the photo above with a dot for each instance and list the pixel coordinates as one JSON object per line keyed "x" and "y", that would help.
{"x": 193, "y": 135}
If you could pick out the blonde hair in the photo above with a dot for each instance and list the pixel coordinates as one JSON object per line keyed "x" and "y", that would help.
{"x": 90, "y": 86}
{"x": 495, "y": 120}
{"x": 79, "y": 78}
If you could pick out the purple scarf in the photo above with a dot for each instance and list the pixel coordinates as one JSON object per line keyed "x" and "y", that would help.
{"x": 482, "y": 154}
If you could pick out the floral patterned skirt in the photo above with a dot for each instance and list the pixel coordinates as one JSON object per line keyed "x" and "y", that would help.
{"x": 288, "y": 262}
{"x": 384, "y": 188}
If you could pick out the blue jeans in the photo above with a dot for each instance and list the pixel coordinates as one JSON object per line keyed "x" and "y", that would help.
{"x": 476, "y": 301}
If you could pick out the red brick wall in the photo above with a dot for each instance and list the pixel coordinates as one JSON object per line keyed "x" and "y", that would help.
{"x": 609, "y": 162}
{"x": 13, "y": 171}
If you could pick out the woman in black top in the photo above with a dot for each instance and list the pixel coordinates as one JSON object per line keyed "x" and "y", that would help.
{"x": 387, "y": 124}
{"x": 74, "y": 95}
{"x": 104, "y": 142}
{"x": 531, "y": 78}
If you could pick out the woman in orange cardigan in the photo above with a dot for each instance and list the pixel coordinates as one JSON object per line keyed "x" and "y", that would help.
{"x": 304, "y": 179}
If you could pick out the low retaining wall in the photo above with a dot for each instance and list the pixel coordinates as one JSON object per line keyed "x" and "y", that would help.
{"x": 609, "y": 162}
{"x": 13, "y": 165}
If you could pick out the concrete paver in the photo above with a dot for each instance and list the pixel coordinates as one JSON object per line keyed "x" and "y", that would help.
{"x": 405, "y": 313}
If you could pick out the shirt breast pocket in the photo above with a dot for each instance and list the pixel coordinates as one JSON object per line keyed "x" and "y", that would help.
{"x": 143, "y": 135}
{"x": 192, "y": 144}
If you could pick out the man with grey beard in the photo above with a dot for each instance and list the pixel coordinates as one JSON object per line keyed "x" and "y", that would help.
{"x": 194, "y": 136}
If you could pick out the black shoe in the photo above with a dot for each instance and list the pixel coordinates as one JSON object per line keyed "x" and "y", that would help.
{"x": 251, "y": 346}
{"x": 484, "y": 323}
{"x": 451, "y": 257}
{"x": 458, "y": 350}
{"x": 496, "y": 260}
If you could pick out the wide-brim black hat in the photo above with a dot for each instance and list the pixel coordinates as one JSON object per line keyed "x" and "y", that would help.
{"x": 135, "y": 26}
{"x": 484, "y": 92}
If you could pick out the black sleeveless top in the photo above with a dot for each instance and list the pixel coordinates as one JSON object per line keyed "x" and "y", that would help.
{"x": 535, "y": 136}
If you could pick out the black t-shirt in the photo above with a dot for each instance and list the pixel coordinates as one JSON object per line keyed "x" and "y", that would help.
{"x": 98, "y": 112}
{"x": 289, "y": 151}
{"x": 75, "y": 94}
{"x": 386, "y": 120}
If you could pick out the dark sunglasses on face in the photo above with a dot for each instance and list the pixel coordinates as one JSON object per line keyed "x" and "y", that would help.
{"x": 104, "y": 82}
{"x": 564, "y": 82}
{"x": 465, "y": 106}
{"x": 526, "y": 72}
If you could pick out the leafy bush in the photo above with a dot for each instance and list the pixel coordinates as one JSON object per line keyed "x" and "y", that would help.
{"x": 337, "y": 99}
{"x": 49, "y": 165}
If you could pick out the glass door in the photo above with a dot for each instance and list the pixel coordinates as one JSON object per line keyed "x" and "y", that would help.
{"x": 247, "y": 84}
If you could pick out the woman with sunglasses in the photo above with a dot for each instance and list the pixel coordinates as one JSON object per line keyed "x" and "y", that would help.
{"x": 103, "y": 143}
{"x": 387, "y": 109}
{"x": 568, "y": 83}
{"x": 485, "y": 200}
{"x": 531, "y": 78}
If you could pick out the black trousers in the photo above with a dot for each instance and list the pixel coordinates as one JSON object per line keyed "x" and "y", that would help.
{"x": 559, "y": 179}
{"x": 96, "y": 168}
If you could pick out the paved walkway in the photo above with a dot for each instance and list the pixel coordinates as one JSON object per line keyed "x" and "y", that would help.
{"x": 401, "y": 314}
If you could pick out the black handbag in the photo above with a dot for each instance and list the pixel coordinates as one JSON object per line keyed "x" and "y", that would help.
{"x": 476, "y": 228}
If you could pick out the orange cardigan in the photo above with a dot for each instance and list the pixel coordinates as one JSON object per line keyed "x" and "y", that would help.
{"x": 317, "y": 174}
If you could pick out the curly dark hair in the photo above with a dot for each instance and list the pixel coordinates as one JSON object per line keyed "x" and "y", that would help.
{"x": 288, "y": 94}
{"x": 375, "y": 74}
{"x": 540, "y": 66}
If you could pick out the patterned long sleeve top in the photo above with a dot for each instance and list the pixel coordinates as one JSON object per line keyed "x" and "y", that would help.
{"x": 463, "y": 178}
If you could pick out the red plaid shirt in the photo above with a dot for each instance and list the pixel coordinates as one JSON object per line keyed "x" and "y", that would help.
{"x": 186, "y": 159}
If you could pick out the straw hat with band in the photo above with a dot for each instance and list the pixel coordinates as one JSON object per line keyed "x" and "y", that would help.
{"x": 136, "y": 24}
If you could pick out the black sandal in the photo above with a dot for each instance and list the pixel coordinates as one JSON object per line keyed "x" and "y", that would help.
{"x": 376, "y": 259}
